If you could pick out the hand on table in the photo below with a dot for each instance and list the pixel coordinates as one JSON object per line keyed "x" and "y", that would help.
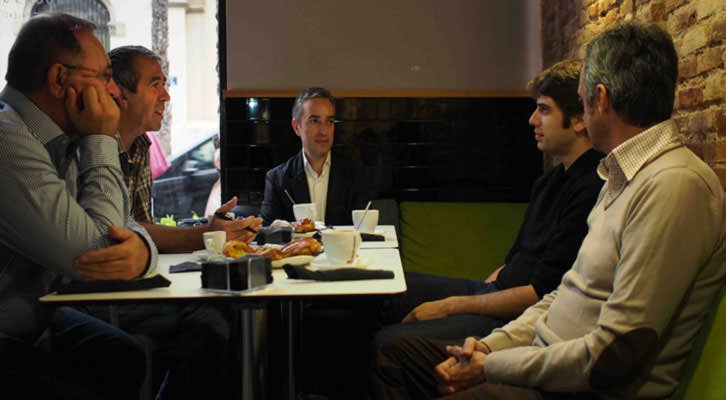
{"x": 427, "y": 311}
{"x": 464, "y": 369}
{"x": 125, "y": 260}
{"x": 236, "y": 229}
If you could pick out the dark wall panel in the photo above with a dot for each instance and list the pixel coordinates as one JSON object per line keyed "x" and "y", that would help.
{"x": 420, "y": 149}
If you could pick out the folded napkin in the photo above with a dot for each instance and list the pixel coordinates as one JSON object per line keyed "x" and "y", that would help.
{"x": 186, "y": 266}
{"x": 338, "y": 274}
{"x": 372, "y": 237}
{"x": 114, "y": 285}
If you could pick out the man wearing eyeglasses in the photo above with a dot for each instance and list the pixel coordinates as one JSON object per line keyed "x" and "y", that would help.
{"x": 63, "y": 199}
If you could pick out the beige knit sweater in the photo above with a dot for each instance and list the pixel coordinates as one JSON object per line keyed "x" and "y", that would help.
{"x": 623, "y": 319}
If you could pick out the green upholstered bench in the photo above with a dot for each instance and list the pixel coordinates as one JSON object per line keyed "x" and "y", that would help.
{"x": 704, "y": 377}
{"x": 467, "y": 240}
{"x": 434, "y": 240}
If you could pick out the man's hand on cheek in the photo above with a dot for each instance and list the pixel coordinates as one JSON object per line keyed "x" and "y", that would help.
{"x": 91, "y": 109}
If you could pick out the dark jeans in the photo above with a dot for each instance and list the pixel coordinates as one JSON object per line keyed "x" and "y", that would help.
{"x": 404, "y": 370}
{"x": 426, "y": 287}
{"x": 89, "y": 359}
{"x": 192, "y": 355}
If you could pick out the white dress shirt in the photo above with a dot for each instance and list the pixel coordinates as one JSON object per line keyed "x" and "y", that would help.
{"x": 318, "y": 185}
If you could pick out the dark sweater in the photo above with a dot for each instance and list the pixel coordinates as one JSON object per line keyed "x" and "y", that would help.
{"x": 553, "y": 227}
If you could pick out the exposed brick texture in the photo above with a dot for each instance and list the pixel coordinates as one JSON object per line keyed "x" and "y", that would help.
{"x": 698, "y": 28}
{"x": 719, "y": 123}
{"x": 711, "y": 58}
{"x": 690, "y": 98}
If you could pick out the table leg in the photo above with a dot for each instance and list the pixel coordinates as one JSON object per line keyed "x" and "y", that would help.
{"x": 291, "y": 316}
{"x": 251, "y": 330}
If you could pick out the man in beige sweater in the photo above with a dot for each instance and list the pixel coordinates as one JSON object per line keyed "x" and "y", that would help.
{"x": 622, "y": 322}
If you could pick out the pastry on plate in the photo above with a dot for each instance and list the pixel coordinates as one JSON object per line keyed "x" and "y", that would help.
{"x": 302, "y": 246}
{"x": 304, "y": 225}
{"x": 237, "y": 249}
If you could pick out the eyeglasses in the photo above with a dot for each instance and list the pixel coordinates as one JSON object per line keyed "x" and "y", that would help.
{"x": 104, "y": 75}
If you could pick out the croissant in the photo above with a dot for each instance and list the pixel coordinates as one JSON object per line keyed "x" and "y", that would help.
{"x": 297, "y": 247}
{"x": 237, "y": 249}
{"x": 302, "y": 246}
{"x": 272, "y": 253}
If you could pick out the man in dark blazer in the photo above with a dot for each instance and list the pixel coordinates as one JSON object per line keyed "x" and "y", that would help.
{"x": 314, "y": 175}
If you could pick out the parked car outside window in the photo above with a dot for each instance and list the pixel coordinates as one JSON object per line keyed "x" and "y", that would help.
{"x": 184, "y": 188}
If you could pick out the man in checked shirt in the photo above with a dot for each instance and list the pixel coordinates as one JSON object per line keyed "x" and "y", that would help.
{"x": 143, "y": 97}
{"x": 191, "y": 356}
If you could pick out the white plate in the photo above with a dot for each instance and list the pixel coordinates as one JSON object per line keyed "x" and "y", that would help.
{"x": 322, "y": 262}
{"x": 294, "y": 260}
{"x": 298, "y": 235}
{"x": 205, "y": 255}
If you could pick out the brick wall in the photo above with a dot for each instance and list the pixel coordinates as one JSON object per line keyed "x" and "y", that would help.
{"x": 698, "y": 28}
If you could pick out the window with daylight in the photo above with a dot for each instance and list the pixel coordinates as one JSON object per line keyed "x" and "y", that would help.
{"x": 92, "y": 10}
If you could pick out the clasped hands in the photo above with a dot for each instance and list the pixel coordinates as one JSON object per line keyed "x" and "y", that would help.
{"x": 464, "y": 369}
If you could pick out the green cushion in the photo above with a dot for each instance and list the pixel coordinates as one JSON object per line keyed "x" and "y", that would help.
{"x": 704, "y": 377}
{"x": 467, "y": 240}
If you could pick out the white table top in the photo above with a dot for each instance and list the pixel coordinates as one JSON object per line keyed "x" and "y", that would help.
{"x": 187, "y": 285}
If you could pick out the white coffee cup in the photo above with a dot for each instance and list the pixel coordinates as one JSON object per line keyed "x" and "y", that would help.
{"x": 304, "y": 210}
{"x": 369, "y": 222}
{"x": 214, "y": 241}
{"x": 341, "y": 245}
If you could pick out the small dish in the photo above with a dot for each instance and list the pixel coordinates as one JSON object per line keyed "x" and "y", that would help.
{"x": 294, "y": 260}
{"x": 206, "y": 255}
{"x": 298, "y": 235}
{"x": 322, "y": 262}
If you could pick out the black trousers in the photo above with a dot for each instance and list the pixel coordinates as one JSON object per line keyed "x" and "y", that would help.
{"x": 193, "y": 353}
{"x": 88, "y": 359}
{"x": 404, "y": 370}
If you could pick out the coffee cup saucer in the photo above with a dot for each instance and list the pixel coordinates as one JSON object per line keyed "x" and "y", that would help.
{"x": 294, "y": 260}
{"x": 208, "y": 255}
{"x": 322, "y": 262}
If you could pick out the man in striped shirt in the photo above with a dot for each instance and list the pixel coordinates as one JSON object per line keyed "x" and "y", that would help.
{"x": 63, "y": 200}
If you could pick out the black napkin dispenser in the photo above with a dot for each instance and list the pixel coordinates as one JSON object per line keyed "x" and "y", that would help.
{"x": 242, "y": 273}
{"x": 276, "y": 236}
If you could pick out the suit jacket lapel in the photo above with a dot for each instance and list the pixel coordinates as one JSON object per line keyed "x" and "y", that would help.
{"x": 299, "y": 182}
